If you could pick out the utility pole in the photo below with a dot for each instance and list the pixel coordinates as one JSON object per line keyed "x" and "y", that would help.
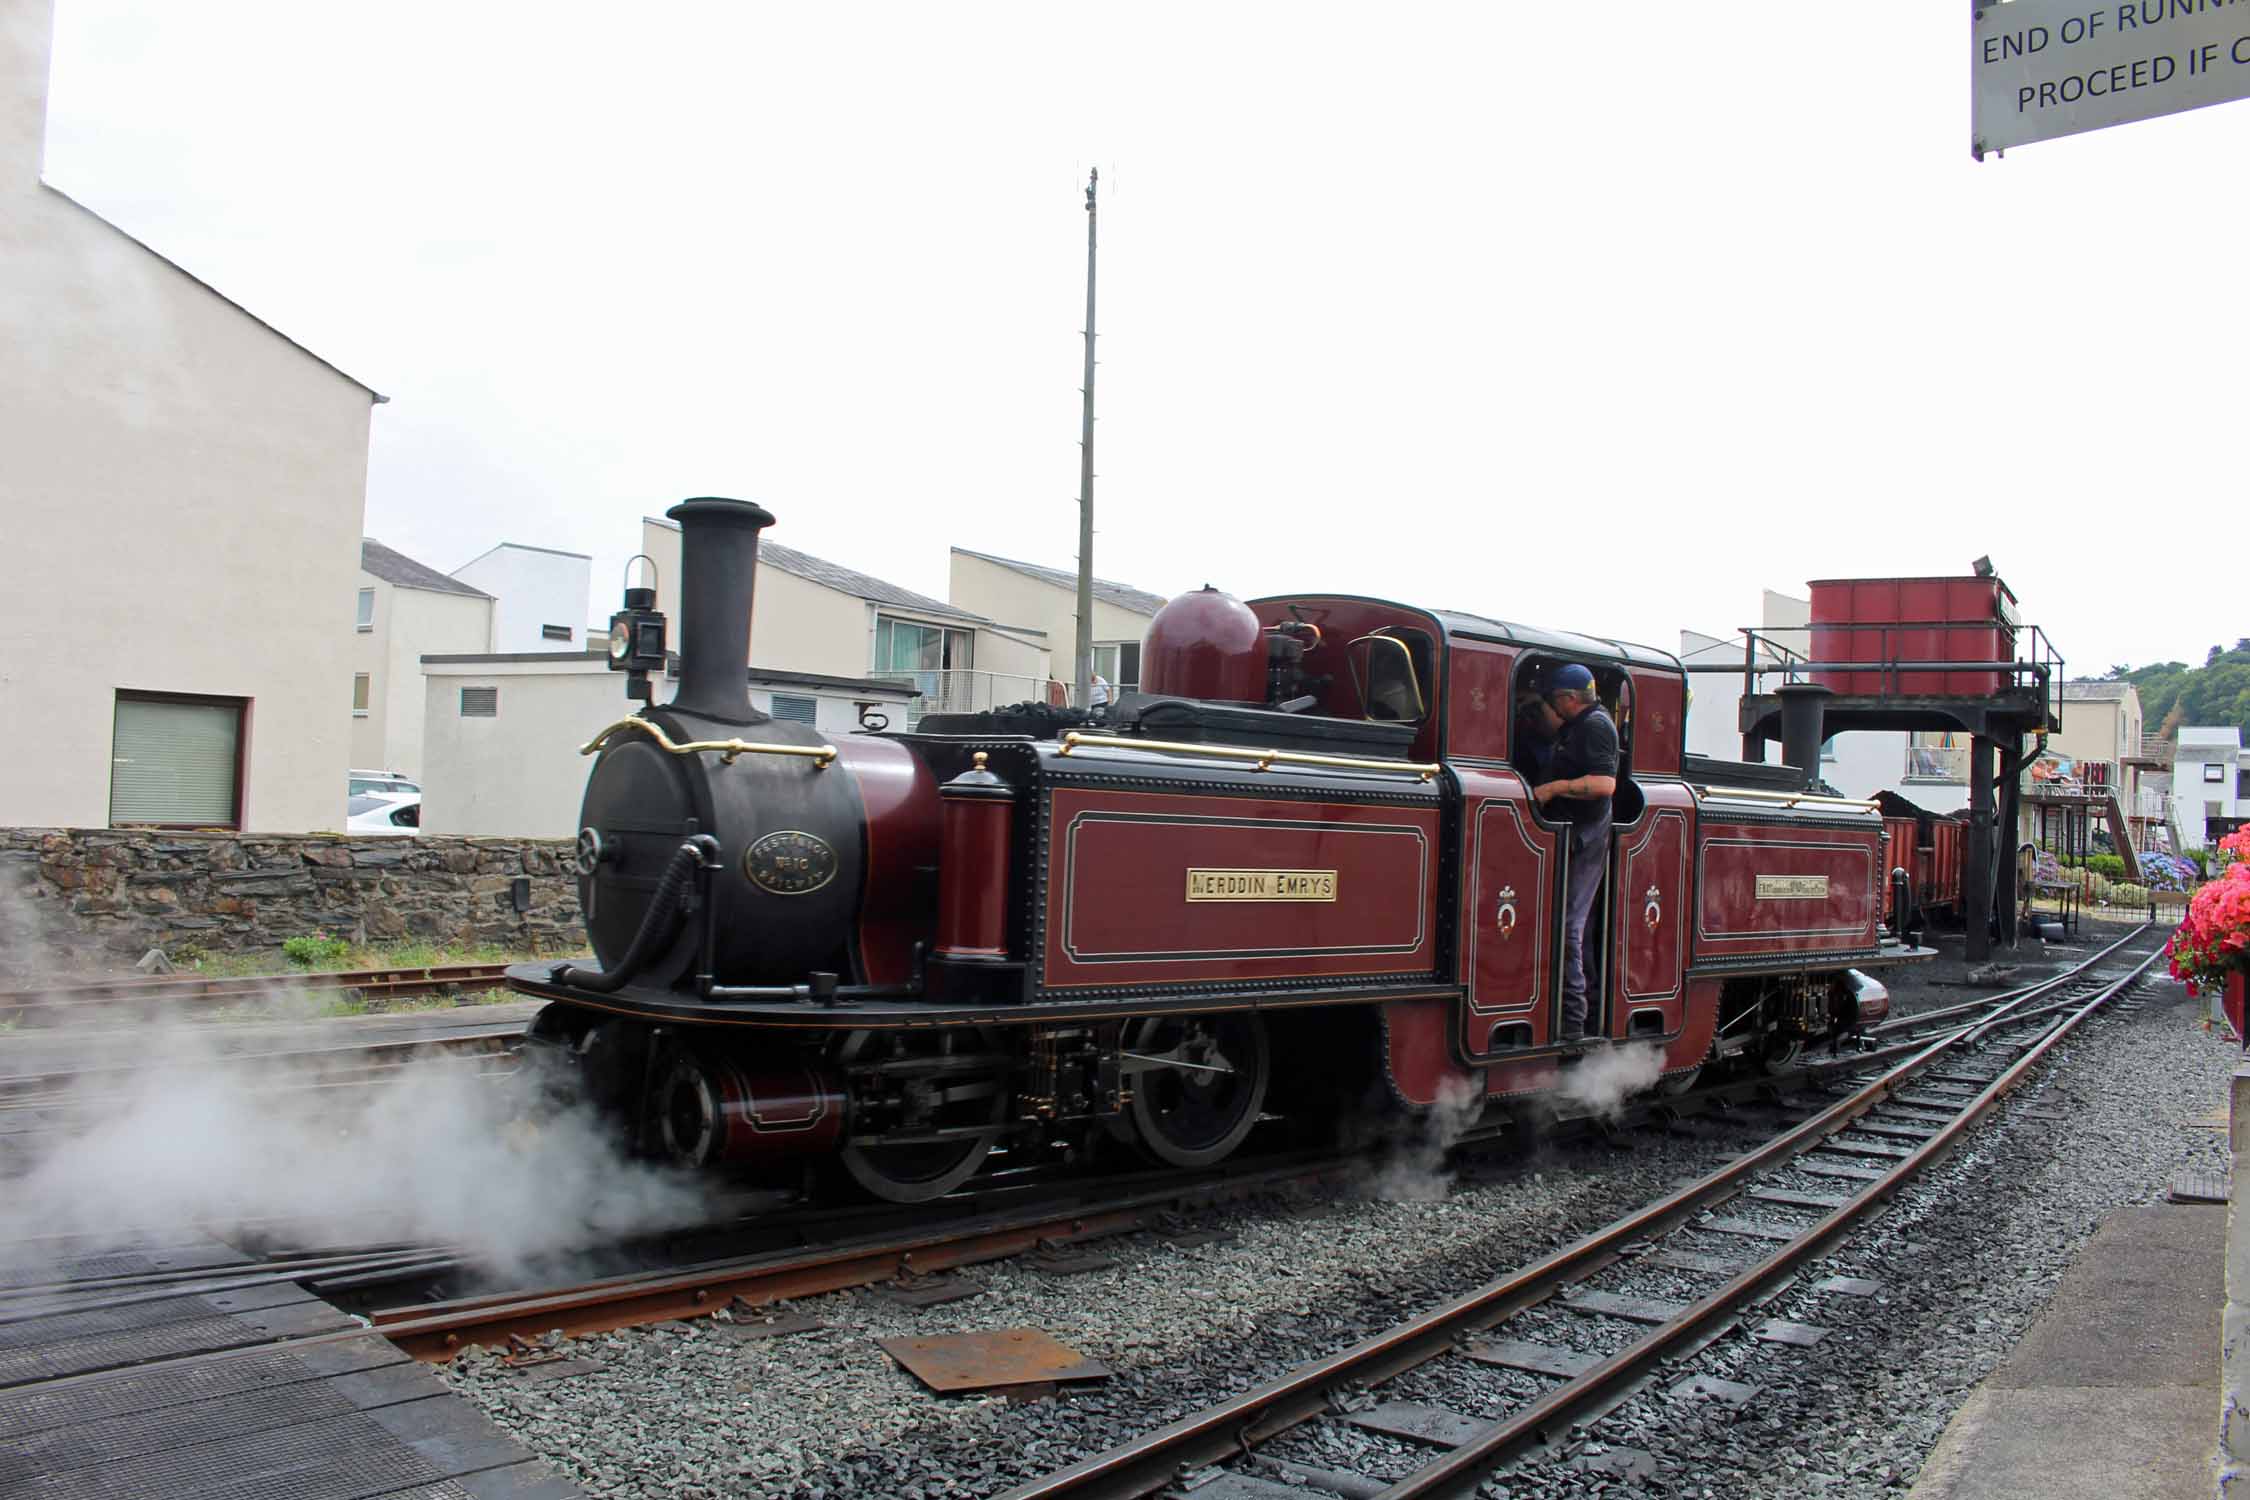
{"x": 1085, "y": 675}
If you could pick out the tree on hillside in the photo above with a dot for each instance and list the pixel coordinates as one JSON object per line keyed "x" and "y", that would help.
{"x": 2217, "y": 693}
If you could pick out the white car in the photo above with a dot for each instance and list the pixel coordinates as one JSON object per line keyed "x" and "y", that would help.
{"x": 388, "y": 813}
{"x": 383, "y": 784}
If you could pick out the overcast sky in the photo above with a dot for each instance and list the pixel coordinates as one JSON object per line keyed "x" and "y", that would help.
{"x": 1597, "y": 317}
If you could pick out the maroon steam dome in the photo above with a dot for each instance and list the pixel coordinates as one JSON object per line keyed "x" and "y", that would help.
{"x": 1205, "y": 644}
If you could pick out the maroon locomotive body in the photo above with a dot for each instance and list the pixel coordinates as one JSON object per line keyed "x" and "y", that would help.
{"x": 1299, "y": 866}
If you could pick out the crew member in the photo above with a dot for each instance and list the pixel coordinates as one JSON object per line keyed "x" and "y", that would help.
{"x": 1537, "y": 726}
{"x": 1584, "y": 778}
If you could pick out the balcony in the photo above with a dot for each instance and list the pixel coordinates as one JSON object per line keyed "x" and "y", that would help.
{"x": 1937, "y": 765}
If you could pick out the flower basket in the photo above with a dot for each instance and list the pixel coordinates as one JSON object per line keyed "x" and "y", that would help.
{"x": 2211, "y": 949}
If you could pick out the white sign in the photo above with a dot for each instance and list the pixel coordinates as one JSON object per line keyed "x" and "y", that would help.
{"x": 2043, "y": 68}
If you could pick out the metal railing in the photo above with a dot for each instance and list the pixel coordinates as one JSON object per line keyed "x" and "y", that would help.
{"x": 1897, "y": 659}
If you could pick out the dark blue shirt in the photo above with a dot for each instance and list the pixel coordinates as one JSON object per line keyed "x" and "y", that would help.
{"x": 1587, "y": 746}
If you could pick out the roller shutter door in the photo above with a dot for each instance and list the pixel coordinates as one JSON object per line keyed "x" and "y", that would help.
{"x": 174, "y": 762}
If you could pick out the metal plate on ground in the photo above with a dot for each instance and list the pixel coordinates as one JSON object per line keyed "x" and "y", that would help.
{"x": 2198, "y": 1187}
{"x": 1539, "y": 1359}
{"x": 1688, "y": 1260}
{"x": 930, "y": 1293}
{"x": 1796, "y": 1200}
{"x": 1732, "y": 1392}
{"x": 1849, "y": 1286}
{"x": 1783, "y": 1331}
{"x": 1632, "y": 1309}
{"x": 1412, "y": 1419}
{"x": 1751, "y": 1228}
{"x": 987, "y": 1361}
{"x": 771, "y": 1328}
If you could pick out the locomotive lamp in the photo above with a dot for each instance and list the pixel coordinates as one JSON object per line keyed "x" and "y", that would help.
{"x": 636, "y": 635}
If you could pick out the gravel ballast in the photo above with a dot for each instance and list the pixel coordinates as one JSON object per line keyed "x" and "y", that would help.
{"x": 1967, "y": 1258}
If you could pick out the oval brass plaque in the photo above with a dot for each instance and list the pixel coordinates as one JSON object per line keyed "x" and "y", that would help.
{"x": 789, "y": 862}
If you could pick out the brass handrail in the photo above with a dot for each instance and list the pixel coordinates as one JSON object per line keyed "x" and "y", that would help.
{"x": 1265, "y": 758}
{"x": 819, "y": 755}
{"x": 1790, "y": 799}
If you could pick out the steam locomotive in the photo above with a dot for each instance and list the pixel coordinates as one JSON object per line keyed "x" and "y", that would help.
{"x": 1294, "y": 870}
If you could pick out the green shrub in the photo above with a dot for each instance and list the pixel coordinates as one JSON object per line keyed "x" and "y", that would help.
{"x": 2132, "y": 896}
{"x": 316, "y": 951}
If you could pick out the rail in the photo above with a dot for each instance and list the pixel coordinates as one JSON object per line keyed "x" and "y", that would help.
{"x": 1147, "y": 1464}
{"x": 1266, "y": 759}
{"x": 727, "y": 750}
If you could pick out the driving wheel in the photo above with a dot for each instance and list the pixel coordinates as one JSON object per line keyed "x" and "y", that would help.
{"x": 1198, "y": 1083}
{"x": 937, "y": 1120}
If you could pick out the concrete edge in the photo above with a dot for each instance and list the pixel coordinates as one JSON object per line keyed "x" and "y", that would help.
{"x": 2233, "y": 1456}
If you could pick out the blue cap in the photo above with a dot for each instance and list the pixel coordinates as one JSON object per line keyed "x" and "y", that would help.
{"x": 1571, "y": 676}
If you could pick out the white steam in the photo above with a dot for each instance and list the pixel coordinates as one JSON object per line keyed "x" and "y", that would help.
{"x": 1603, "y": 1079}
{"x": 433, "y": 1153}
{"x": 1412, "y": 1169}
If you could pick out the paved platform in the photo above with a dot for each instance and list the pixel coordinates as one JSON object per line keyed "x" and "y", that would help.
{"x": 190, "y": 1397}
{"x": 2112, "y": 1394}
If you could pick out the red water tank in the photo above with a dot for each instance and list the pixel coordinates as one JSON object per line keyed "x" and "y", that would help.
{"x": 1205, "y": 645}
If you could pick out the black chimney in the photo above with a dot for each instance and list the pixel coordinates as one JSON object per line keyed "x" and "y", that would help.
{"x": 1803, "y": 706}
{"x": 718, "y": 577}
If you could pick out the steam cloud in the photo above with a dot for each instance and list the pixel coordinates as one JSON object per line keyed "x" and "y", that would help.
{"x": 1413, "y": 1169}
{"x": 1602, "y": 1080}
{"x": 433, "y": 1154}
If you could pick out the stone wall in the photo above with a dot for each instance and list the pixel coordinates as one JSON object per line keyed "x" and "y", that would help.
{"x": 89, "y": 896}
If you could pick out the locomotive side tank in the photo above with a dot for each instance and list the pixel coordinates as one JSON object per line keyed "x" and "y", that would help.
{"x": 1299, "y": 863}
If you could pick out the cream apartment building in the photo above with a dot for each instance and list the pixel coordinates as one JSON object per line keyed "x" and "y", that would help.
{"x": 812, "y": 615}
{"x": 1047, "y": 599}
{"x": 181, "y": 490}
{"x": 405, "y": 610}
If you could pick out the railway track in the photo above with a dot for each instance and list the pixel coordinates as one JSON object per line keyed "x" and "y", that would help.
{"x": 73, "y": 1000}
{"x": 1786, "y": 1202}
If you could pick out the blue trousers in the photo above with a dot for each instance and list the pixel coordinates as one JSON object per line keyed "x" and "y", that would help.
{"x": 1589, "y": 852}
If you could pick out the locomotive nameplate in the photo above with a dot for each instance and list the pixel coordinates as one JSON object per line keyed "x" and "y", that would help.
{"x": 789, "y": 862}
{"x": 1261, "y": 885}
{"x": 1792, "y": 888}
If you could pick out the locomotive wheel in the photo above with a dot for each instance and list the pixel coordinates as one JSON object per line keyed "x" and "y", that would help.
{"x": 1778, "y": 1053}
{"x": 916, "y": 1172}
{"x": 1198, "y": 1084}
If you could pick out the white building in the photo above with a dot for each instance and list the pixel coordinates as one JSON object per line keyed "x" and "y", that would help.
{"x": 2210, "y": 785}
{"x": 812, "y": 615}
{"x": 502, "y": 731}
{"x": 540, "y": 597}
{"x": 1047, "y": 600}
{"x": 181, "y": 489}
{"x": 405, "y": 611}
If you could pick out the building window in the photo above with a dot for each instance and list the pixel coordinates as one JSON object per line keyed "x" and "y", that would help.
{"x": 1938, "y": 755}
{"x": 359, "y": 695}
{"x": 1119, "y": 664}
{"x": 554, "y": 632}
{"x": 796, "y": 708}
{"x": 904, "y": 646}
{"x": 367, "y": 609}
{"x": 480, "y": 703}
{"x": 2213, "y": 771}
{"x": 176, "y": 761}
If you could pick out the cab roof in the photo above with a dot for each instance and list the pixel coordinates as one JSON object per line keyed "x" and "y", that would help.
{"x": 1560, "y": 642}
